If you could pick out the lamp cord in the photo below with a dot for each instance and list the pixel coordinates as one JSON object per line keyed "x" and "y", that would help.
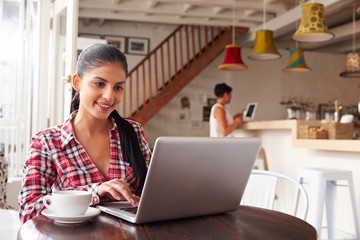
{"x": 264, "y": 15}
{"x": 233, "y": 30}
{"x": 353, "y": 28}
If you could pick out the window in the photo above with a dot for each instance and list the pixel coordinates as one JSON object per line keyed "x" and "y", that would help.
{"x": 16, "y": 78}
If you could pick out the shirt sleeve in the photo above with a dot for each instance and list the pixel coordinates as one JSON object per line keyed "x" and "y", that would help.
{"x": 38, "y": 178}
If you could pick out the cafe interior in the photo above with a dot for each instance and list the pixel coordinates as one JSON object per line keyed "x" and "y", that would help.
{"x": 296, "y": 61}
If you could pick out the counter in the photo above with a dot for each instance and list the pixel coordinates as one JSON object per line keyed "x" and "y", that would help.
{"x": 292, "y": 125}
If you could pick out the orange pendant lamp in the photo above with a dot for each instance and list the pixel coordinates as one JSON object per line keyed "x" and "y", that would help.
{"x": 312, "y": 26}
{"x": 264, "y": 48}
{"x": 233, "y": 61}
{"x": 353, "y": 60}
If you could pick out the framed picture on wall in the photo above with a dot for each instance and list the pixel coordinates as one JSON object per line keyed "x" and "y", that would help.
{"x": 211, "y": 101}
{"x": 182, "y": 116}
{"x": 206, "y": 113}
{"x": 138, "y": 45}
{"x": 117, "y": 41}
{"x": 90, "y": 35}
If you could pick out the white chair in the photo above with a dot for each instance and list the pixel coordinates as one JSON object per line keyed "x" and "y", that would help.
{"x": 261, "y": 188}
{"x": 261, "y": 162}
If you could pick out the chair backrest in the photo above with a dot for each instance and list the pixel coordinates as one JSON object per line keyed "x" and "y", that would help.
{"x": 261, "y": 189}
{"x": 261, "y": 162}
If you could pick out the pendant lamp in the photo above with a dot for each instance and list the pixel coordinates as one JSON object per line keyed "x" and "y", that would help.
{"x": 312, "y": 26}
{"x": 352, "y": 66}
{"x": 233, "y": 61}
{"x": 296, "y": 62}
{"x": 264, "y": 48}
{"x": 353, "y": 59}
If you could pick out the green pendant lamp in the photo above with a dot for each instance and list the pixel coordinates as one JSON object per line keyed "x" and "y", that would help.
{"x": 296, "y": 62}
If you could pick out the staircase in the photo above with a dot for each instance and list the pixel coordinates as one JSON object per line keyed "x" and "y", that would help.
{"x": 167, "y": 69}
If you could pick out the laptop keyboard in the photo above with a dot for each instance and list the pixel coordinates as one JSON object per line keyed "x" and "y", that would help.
{"x": 132, "y": 210}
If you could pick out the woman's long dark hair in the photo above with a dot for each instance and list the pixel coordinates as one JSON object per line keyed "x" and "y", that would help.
{"x": 95, "y": 56}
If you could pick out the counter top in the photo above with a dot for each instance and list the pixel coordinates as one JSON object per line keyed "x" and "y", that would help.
{"x": 292, "y": 125}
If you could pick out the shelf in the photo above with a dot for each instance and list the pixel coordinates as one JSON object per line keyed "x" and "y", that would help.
{"x": 328, "y": 144}
{"x": 319, "y": 144}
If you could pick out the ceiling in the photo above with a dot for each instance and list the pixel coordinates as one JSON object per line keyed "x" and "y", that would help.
{"x": 282, "y": 16}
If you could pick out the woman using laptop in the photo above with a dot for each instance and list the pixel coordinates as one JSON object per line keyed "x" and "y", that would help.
{"x": 222, "y": 123}
{"x": 95, "y": 149}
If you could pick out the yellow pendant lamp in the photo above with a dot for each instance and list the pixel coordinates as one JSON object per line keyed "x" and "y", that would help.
{"x": 296, "y": 62}
{"x": 312, "y": 26}
{"x": 353, "y": 60}
{"x": 264, "y": 48}
{"x": 233, "y": 61}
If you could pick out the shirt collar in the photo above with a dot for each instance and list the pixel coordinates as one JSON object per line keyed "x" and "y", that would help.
{"x": 67, "y": 130}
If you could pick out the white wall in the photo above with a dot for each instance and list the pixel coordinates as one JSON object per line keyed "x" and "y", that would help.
{"x": 264, "y": 82}
{"x": 155, "y": 32}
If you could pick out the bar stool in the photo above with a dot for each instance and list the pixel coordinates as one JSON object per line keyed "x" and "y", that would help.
{"x": 323, "y": 189}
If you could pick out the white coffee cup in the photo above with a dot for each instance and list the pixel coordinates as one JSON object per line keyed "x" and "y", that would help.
{"x": 68, "y": 202}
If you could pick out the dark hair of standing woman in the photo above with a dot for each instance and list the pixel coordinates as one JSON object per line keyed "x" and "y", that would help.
{"x": 95, "y": 56}
{"x": 221, "y": 88}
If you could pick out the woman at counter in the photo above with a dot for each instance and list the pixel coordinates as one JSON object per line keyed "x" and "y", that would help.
{"x": 222, "y": 123}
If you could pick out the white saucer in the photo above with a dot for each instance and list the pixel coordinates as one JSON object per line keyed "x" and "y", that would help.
{"x": 90, "y": 213}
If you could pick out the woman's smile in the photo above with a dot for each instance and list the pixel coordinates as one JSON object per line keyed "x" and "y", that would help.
{"x": 104, "y": 106}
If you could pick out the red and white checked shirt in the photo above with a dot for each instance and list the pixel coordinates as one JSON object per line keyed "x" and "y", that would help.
{"x": 56, "y": 160}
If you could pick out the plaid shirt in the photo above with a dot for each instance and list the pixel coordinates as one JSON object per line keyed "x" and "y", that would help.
{"x": 58, "y": 161}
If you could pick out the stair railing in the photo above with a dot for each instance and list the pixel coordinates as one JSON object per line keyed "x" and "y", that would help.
{"x": 157, "y": 70}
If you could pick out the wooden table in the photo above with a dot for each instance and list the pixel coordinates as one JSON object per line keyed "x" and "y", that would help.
{"x": 244, "y": 223}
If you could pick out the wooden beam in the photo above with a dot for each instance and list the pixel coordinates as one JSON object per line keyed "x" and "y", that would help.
{"x": 170, "y": 19}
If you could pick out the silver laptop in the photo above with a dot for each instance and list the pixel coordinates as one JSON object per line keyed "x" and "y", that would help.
{"x": 191, "y": 176}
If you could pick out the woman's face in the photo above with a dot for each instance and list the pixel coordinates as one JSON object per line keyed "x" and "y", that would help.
{"x": 102, "y": 89}
{"x": 227, "y": 97}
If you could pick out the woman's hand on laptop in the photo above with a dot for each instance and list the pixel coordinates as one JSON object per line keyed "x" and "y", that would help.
{"x": 118, "y": 189}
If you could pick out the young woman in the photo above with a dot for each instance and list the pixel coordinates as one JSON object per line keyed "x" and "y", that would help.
{"x": 95, "y": 149}
{"x": 221, "y": 122}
